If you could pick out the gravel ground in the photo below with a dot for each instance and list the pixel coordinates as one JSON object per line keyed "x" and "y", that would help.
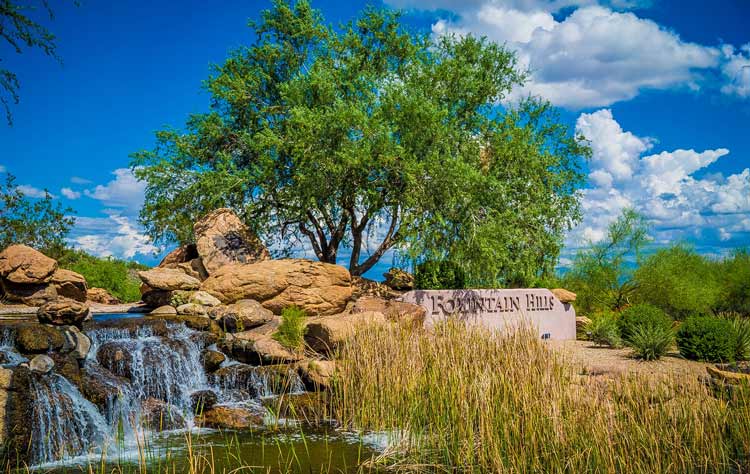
{"x": 604, "y": 360}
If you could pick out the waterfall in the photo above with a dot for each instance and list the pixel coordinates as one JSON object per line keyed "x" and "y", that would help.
{"x": 63, "y": 422}
{"x": 8, "y": 352}
{"x": 136, "y": 369}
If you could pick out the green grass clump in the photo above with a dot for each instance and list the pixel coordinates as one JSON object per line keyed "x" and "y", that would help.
{"x": 651, "y": 342}
{"x": 741, "y": 328}
{"x": 291, "y": 331}
{"x": 604, "y": 331}
{"x": 642, "y": 315}
{"x": 707, "y": 338}
{"x": 118, "y": 277}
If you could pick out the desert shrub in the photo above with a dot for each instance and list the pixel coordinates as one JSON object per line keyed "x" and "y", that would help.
{"x": 679, "y": 281}
{"x": 603, "y": 330}
{"x": 439, "y": 275}
{"x": 650, "y": 342}
{"x": 734, "y": 275}
{"x": 741, "y": 328}
{"x": 707, "y": 338}
{"x": 291, "y": 331}
{"x": 641, "y": 315}
{"x": 116, "y": 276}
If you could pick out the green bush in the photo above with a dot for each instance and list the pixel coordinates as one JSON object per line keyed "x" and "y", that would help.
{"x": 734, "y": 274}
{"x": 679, "y": 281}
{"x": 707, "y": 338}
{"x": 116, "y": 276}
{"x": 641, "y": 315}
{"x": 741, "y": 328}
{"x": 439, "y": 275}
{"x": 291, "y": 331}
{"x": 603, "y": 330}
{"x": 650, "y": 342}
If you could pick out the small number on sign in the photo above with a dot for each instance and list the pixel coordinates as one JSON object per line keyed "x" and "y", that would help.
{"x": 545, "y": 335}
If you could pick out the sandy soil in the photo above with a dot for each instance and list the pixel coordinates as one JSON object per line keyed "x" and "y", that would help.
{"x": 603, "y": 360}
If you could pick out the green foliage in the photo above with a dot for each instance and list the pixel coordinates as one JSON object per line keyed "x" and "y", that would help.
{"x": 439, "y": 275}
{"x": 643, "y": 316}
{"x": 651, "y": 342}
{"x": 39, "y": 223}
{"x": 116, "y": 276}
{"x": 707, "y": 338}
{"x": 741, "y": 327}
{"x": 291, "y": 331}
{"x": 371, "y": 133}
{"x": 734, "y": 275}
{"x": 602, "y": 275}
{"x": 603, "y": 329}
{"x": 679, "y": 281}
{"x": 180, "y": 298}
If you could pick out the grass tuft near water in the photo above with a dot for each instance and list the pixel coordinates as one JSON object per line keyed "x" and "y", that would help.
{"x": 464, "y": 399}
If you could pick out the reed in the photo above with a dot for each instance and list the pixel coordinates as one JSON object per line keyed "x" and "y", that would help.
{"x": 464, "y": 399}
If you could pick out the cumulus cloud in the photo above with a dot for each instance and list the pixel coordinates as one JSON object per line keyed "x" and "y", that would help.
{"x": 736, "y": 70}
{"x": 662, "y": 186}
{"x": 112, "y": 236}
{"x": 70, "y": 194}
{"x": 124, "y": 193}
{"x": 33, "y": 192}
{"x": 79, "y": 180}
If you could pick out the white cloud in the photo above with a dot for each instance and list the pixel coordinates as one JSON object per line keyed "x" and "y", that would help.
{"x": 79, "y": 180}
{"x": 594, "y": 57}
{"x": 661, "y": 186}
{"x": 114, "y": 235}
{"x": 124, "y": 193}
{"x": 2, "y": 169}
{"x": 69, "y": 193}
{"x": 736, "y": 70}
{"x": 33, "y": 192}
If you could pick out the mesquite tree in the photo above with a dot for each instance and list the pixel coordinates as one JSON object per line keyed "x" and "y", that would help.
{"x": 368, "y": 138}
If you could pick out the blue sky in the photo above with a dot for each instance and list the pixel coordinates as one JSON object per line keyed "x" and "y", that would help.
{"x": 661, "y": 88}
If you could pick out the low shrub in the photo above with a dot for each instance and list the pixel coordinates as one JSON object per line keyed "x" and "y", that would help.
{"x": 118, "y": 277}
{"x": 741, "y": 328}
{"x": 291, "y": 331}
{"x": 439, "y": 275}
{"x": 707, "y": 338}
{"x": 603, "y": 330}
{"x": 651, "y": 342}
{"x": 641, "y": 315}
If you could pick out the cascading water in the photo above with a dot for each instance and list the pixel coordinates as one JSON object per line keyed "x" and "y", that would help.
{"x": 138, "y": 368}
{"x": 8, "y": 353}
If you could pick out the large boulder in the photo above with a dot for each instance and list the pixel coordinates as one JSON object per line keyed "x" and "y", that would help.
{"x": 181, "y": 254}
{"x": 257, "y": 349}
{"x": 38, "y": 338}
{"x": 241, "y": 316}
{"x": 191, "y": 309}
{"x": 168, "y": 279}
{"x": 402, "y": 312}
{"x": 399, "y": 279}
{"x": 324, "y": 335}
{"x": 230, "y": 417}
{"x": 63, "y": 312}
{"x": 317, "y": 374}
{"x": 221, "y": 239}
{"x": 318, "y": 288}
{"x": 24, "y": 265}
{"x": 565, "y": 296}
{"x": 166, "y": 310}
{"x": 41, "y": 364}
{"x": 69, "y": 284}
{"x": 158, "y": 415}
{"x": 204, "y": 299}
{"x": 212, "y": 360}
{"x": 102, "y": 296}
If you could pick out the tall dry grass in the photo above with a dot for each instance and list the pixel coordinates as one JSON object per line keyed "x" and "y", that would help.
{"x": 466, "y": 400}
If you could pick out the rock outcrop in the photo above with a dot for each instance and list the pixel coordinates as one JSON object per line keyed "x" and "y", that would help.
{"x": 399, "y": 279}
{"x": 228, "y": 417}
{"x": 324, "y": 335}
{"x": 30, "y": 277}
{"x": 241, "y": 316}
{"x": 565, "y": 296}
{"x": 222, "y": 239}
{"x": 257, "y": 349}
{"x": 402, "y": 312}
{"x": 317, "y": 288}
{"x": 102, "y": 296}
{"x": 168, "y": 279}
{"x": 63, "y": 312}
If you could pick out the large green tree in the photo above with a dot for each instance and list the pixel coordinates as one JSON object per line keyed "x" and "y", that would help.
{"x": 369, "y": 138}
{"x": 39, "y": 223}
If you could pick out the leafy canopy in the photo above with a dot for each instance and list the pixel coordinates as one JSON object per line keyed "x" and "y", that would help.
{"x": 39, "y": 223}
{"x": 371, "y": 138}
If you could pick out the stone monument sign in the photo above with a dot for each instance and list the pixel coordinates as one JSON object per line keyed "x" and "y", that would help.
{"x": 500, "y": 309}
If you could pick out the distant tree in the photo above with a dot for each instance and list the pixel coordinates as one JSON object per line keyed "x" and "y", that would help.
{"x": 734, "y": 274}
{"x": 603, "y": 274}
{"x": 679, "y": 281}
{"x": 39, "y": 223}
{"x": 371, "y": 138}
{"x": 19, "y": 30}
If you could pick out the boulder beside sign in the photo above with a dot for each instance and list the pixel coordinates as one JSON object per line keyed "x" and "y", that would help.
{"x": 500, "y": 309}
